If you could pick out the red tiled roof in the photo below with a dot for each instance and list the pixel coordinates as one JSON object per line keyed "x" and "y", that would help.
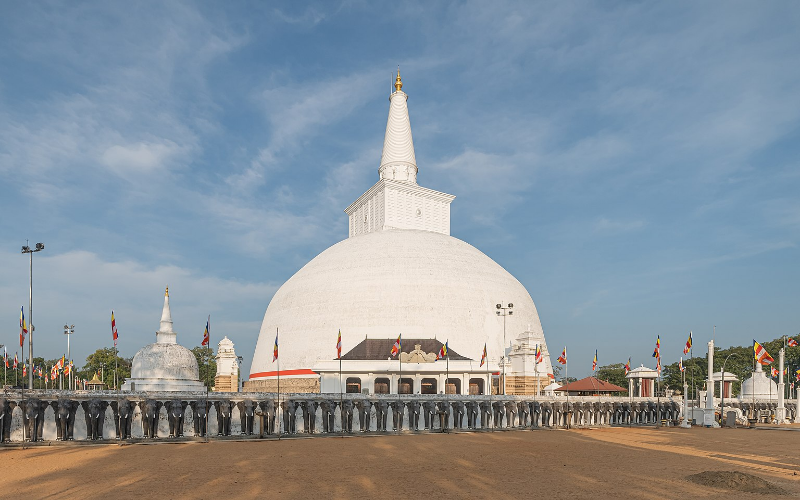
{"x": 591, "y": 384}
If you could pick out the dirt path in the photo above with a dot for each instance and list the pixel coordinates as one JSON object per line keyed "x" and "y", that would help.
{"x": 640, "y": 463}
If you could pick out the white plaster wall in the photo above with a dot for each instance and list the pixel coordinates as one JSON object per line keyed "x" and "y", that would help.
{"x": 418, "y": 283}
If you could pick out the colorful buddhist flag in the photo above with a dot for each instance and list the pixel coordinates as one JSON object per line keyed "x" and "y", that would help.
{"x": 680, "y": 365}
{"x": 657, "y": 351}
{"x": 594, "y": 361}
{"x": 761, "y": 355}
{"x": 339, "y": 346}
{"x": 24, "y": 369}
{"x": 688, "y": 345}
{"x": 797, "y": 374}
{"x": 114, "y": 333}
{"x": 792, "y": 342}
{"x": 206, "y": 335}
{"x": 397, "y": 346}
{"x": 483, "y": 356}
{"x": 15, "y": 361}
{"x": 658, "y": 365}
{"x": 774, "y": 372}
{"x": 563, "y": 358}
{"x": 628, "y": 366}
{"x": 275, "y": 349}
{"x": 538, "y": 358}
{"x": 442, "y": 352}
{"x": 23, "y": 328}
{"x": 5, "y": 356}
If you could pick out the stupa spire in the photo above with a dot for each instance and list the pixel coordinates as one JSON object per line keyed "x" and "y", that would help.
{"x": 165, "y": 333}
{"x": 398, "y": 161}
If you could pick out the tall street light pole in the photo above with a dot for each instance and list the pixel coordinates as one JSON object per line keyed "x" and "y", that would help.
{"x": 504, "y": 310}
{"x": 68, "y": 331}
{"x": 30, "y": 251}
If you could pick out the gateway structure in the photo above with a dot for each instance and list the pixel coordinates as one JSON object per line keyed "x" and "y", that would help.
{"x": 399, "y": 272}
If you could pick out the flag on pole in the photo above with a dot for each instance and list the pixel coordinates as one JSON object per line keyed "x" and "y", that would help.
{"x": 275, "y": 349}
{"x": 443, "y": 351}
{"x": 5, "y": 356}
{"x": 658, "y": 365}
{"x": 205, "y": 333}
{"x": 797, "y": 373}
{"x": 24, "y": 369}
{"x": 792, "y": 342}
{"x": 483, "y": 356}
{"x": 628, "y": 366}
{"x": 339, "y": 346}
{"x": 688, "y": 344}
{"x": 15, "y": 361}
{"x": 594, "y": 362}
{"x": 397, "y": 346}
{"x": 563, "y": 358}
{"x": 774, "y": 372}
{"x": 657, "y": 351}
{"x": 114, "y": 333}
{"x": 23, "y": 328}
{"x": 680, "y": 365}
{"x": 538, "y": 353}
{"x": 761, "y": 355}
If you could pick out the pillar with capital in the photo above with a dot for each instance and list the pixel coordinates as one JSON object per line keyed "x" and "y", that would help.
{"x": 780, "y": 413}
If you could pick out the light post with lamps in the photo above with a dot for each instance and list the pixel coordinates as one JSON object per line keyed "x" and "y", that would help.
{"x": 239, "y": 360}
{"x": 504, "y": 311}
{"x": 722, "y": 390}
{"x": 30, "y": 251}
{"x": 69, "y": 330}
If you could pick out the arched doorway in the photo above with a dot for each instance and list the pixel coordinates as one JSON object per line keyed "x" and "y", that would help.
{"x": 453, "y": 386}
{"x": 353, "y": 385}
{"x": 428, "y": 386}
{"x": 382, "y": 385}
{"x": 406, "y": 386}
{"x": 476, "y": 386}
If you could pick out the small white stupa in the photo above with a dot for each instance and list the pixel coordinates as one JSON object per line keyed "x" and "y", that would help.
{"x": 227, "y": 378}
{"x": 759, "y": 386}
{"x": 164, "y": 365}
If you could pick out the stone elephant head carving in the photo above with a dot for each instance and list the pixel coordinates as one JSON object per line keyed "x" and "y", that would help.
{"x": 176, "y": 412}
{"x": 123, "y": 417}
{"x": 200, "y": 417}
{"x": 224, "y": 409}
{"x": 247, "y": 414}
{"x": 328, "y": 408}
{"x": 150, "y": 409}
{"x": 65, "y": 418}
{"x": 95, "y": 411}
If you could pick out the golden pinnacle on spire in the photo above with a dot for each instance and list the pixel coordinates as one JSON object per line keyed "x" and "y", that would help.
{"x": 166, "y": 293}
{"x": 398, "y": 84}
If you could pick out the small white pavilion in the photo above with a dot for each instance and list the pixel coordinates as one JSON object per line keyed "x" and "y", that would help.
{"x": 642, "y": 382}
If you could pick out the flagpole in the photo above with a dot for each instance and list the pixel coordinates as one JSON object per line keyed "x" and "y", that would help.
{"x": 400, "y": 376}
{"x": 566, "y": 374}
{"x": 278, "y": 359}
{"x": 341, "y": 395}
{"x": 208, "y": 369}
{"x": 491, "y": 388}
{"x": 447, "y": 375}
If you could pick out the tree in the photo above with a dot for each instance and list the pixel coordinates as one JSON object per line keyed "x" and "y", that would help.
{"x": 614, "y": 373}
{"x": 101, "y": 362}
{"x": 207, "y": 364}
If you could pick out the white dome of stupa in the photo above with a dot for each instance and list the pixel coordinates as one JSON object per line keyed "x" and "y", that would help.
{"x": 759, "y": 386}
{"x": 164, "y": 365}
{"x": 399, "y": 272}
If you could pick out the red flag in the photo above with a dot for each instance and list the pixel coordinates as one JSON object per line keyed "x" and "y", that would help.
{"x": 339, "y": 346}
{"x": 206, "y": 334}
{"x": 761, "y": 354}
{"x": 688, "y": 345}
{"x": 483, "y": 357}
{"x": 628, "y": 366}
{"x": 15, "y": 361}
{"x": 792, "y": 342}
{"x": 275, "y": 349}
{"x": 397, "y": 346}
{"x": 114, "y": 333}
{"x": 23, "y": 329}
{"x": 563, "y": 358}
{"x": 594, "y": 362}
{"x": 538, "y": 358}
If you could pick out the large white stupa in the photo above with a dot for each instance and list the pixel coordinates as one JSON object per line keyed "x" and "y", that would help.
{"x": 164, "y": 365}
{"x": 399, "y": 272}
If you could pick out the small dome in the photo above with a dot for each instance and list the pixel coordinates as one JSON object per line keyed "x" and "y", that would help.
{"x": 758, "y": 386}
{"x": 165, "y": 361}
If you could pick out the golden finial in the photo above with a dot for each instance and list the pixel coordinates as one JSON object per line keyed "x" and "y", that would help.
{"x": 398, "y": 84}
{"x": 166, "y": 294}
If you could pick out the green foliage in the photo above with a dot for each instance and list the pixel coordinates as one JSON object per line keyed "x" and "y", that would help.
{"x": 207, "y": 364}
{"x": 614, "y": 373}
{"x": 101, "y": 362}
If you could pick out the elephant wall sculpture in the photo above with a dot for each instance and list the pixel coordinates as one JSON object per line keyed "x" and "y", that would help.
{"x": 267, "y": 416}
{"x": 486, "y": 414}
{"x": 247, "y": 415}
{"x": 381, "y": 414}
{"x": 443, "y": 410}
{"x": 150, "y": 409}
{"x": 200, "y": 417}
{"x": 414, "y": 408}
{"x": 95, "y": 410}
{"x": 328, "y": 408}
{"x": 224, "y": 410}
{"x": 535, "y": 409}
{"x": 523, "y": 412}
{"x": 398, "y": 412}
{"x": 363, "y": 406}
{"x": 459, "y": 411}
{"x": 310, "y": 416}
{"x": 176, "y": 411}
{"x": 290, "y": 416}
{"x": 429, "y": 410}
{"x": 498, "y": 410}
{"x": 346, "y": 415}
{"x": 123, "y": 417}
{"x": 6, "y": 410}
{"x": 65, "y": 418}
{"x": 472, "y": 414}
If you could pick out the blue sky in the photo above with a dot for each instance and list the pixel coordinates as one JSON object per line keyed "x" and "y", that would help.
{"x": 634, "y": 165}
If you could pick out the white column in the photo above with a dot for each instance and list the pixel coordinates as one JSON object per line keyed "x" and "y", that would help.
{"x": 686, "y": 422}
{"x": 708, "y": 416}
{"x": 630, "y": 387}
{"x": 781, "y": 411}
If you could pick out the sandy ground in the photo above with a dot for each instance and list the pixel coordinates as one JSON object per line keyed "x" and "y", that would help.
{"x": 597, "y": 463}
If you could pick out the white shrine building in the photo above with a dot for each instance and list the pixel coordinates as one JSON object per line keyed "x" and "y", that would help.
{"x": 398, "y": 272}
